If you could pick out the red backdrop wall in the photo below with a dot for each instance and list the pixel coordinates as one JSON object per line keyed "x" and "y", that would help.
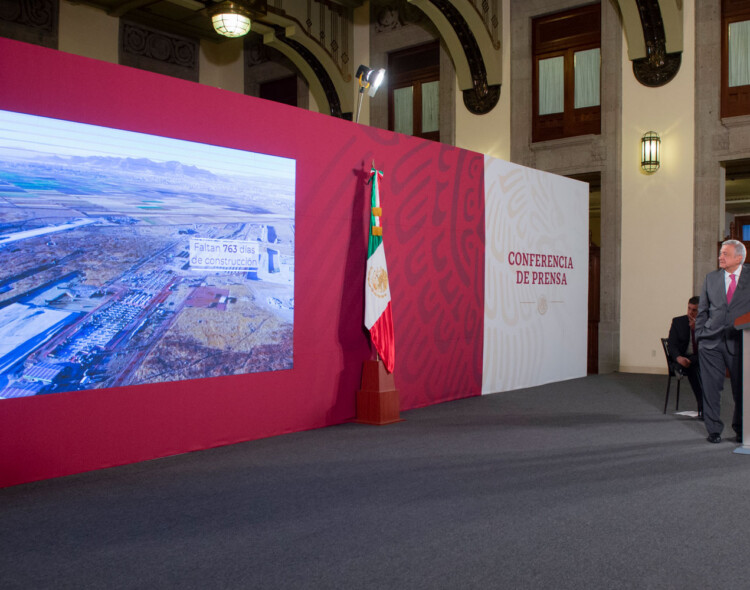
{"x": 433, "y": 207}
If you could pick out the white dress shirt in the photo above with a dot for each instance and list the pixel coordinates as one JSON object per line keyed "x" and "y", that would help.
{"x": 727, "y": 280}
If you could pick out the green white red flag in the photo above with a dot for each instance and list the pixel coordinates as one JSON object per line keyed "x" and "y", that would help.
{"x": 378, "y": 314}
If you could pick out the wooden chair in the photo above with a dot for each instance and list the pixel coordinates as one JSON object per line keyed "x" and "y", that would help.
{"x": 672, "y": 373}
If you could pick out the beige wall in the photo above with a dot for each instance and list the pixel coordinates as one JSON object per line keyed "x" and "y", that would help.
{"x": 221, "y": 65}
{"x": 88, "y": 32}
{"x": 657, "y": 210}
{"x": 489, "y": 134}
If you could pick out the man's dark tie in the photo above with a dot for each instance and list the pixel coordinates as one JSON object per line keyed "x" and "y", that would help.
{"x": 692, "y": 337}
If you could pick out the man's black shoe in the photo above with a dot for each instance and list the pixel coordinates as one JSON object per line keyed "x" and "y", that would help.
{"x": 738, "y": 438}
{"x": 714, "y": 438}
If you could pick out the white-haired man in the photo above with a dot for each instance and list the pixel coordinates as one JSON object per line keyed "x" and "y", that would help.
{"x": 725, "y": 297}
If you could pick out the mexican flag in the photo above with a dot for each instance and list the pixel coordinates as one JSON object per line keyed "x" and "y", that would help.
{"x": 378, "y": 315}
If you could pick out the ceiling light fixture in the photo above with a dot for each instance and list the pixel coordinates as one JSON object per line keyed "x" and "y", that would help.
{"x": 231, "y": 18}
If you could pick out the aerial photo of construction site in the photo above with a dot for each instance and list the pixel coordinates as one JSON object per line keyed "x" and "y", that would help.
{"x": 128, "y": 258}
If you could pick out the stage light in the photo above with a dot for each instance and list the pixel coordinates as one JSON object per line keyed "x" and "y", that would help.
{"x": 369, "y": 80}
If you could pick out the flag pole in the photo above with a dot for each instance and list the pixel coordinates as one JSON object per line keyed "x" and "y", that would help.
{"x": 378, "y": 398}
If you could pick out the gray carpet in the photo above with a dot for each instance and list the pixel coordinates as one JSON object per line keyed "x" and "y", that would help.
{"x": 581, "y": 484}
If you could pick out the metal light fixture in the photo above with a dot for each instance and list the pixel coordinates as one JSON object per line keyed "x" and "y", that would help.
{"x": 650, "y": 151}
{"x": 369, "y": 80}
{"x": 231, "y": 18}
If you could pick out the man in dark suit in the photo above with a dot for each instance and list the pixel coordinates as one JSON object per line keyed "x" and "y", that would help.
{"x": 683, "y": 348}
{"x": 725, "y": 297}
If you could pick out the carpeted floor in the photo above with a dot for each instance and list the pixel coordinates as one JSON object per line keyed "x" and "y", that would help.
{"x": 580, "y": 484}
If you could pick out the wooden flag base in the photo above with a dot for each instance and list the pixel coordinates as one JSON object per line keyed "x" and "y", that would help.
{"x": 377, "y": 401}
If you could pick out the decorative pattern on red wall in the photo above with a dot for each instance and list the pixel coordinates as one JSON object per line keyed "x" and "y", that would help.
{"x": 433, "y": 230}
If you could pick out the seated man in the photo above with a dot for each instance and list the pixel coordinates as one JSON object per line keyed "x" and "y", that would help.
{"x": 684, "y": 351}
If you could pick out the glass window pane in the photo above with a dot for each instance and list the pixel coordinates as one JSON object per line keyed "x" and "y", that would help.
{"x": 403, "y": 110}
{"x": 739, "y": 54}
{"x": 587, "y": 65}
{"x": 551, "y": 89}
{"x": 430, "y": 106}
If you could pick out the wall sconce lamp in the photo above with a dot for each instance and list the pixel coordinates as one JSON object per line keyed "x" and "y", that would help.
{"x": 231, "y": 18}
{"x": 369, "y": 80}
{"x": 650, "y": 152}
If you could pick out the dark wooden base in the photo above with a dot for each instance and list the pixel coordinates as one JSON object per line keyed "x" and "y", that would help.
{"x": 377, "y": 400}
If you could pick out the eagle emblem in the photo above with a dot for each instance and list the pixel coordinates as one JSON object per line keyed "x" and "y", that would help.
{"x": 377, "y": 279}
{"x": 542, "y": 305}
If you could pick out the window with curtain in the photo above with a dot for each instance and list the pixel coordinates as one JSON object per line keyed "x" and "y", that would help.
{"x": 414, "y": 91}
{"x": 403, "y": 110}
{"x": 430, "y": 106}
{"x": 739, "y": 53}
{"x": 567, "y": 73}
{"x": 735, "y": 57}
{"x": 551, "y": 85}
{"x": 587, "y": 67}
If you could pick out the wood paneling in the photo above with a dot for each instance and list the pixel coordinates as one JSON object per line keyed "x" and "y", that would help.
{"x": 735, "y": 101}
{"x": 562, "y": 34}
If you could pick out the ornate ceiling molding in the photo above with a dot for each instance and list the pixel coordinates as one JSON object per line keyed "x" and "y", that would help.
{"x": 31, "y": 21}
{"x": 324, "y": 79}
{"x": 654, "y": 32}
{"x": 322, "y": 76}
{"x": 476, "y": 57}
{"x": 658, "y": 67}
{"x": 330, "y": 83}
{"x": 396, "y": 15}
{"x": 148, "y": 49}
